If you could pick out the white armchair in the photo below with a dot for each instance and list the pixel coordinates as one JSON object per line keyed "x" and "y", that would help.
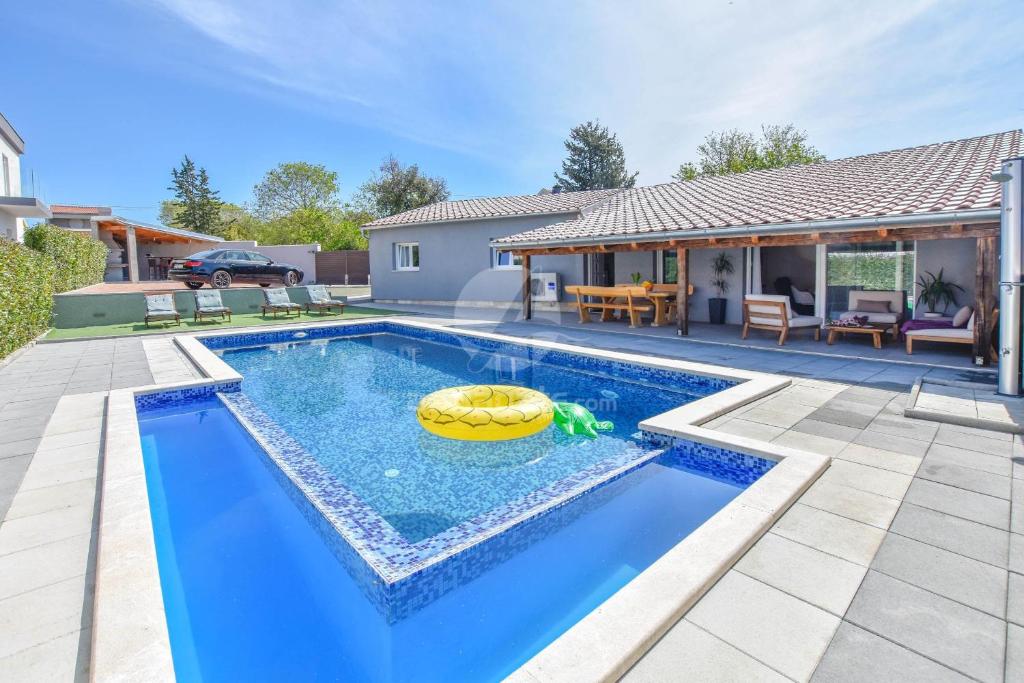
{"x": 773, "y": 312}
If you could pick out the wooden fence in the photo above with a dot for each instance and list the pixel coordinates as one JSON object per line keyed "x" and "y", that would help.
{"x": 348, "y": 267}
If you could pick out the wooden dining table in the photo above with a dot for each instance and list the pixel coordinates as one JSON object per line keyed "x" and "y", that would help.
{"x": 661, "y": 299}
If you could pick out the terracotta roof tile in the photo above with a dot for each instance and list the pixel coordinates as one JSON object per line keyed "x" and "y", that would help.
{"x": 947, "y": 176}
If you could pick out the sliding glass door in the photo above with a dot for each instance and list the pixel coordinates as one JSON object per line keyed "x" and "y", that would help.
{"x": 886, "y": 266}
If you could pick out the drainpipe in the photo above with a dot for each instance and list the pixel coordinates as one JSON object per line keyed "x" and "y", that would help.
{"x": 1011, "y": 175}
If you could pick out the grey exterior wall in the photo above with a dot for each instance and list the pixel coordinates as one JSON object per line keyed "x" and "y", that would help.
{"x": 455, "y": 261}
{"x": 958, "y": 258}
{"x": 701, "y": 276}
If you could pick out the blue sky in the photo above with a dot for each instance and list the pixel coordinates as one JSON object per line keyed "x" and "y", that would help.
{"x": 110, "y": 94}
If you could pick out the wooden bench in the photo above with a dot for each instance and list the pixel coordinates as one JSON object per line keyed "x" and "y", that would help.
{"x": 611, "y": 299}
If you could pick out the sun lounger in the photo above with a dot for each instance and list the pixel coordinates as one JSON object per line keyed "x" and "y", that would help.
{"x": 209, "y": 304}
{"x": 320, "y": 299}
{"x": 277, "y": 301}
{"x": 161, "y": 307}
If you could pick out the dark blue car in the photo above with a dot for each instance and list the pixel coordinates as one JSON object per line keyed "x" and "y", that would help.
{"x": 220, "y": 267}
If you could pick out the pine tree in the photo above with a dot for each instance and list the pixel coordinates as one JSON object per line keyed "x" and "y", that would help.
{"x": 595, "y": 161}
{"x": 199, "y": 205}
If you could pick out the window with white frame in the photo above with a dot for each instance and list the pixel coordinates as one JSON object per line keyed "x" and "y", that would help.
{"x": 7, "y": 176}
{"x": 407, "y": 256}
{"x": 501, "y": 259}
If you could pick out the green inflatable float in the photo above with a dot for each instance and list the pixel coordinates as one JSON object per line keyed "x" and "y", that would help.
{"x": 575, "y": 420}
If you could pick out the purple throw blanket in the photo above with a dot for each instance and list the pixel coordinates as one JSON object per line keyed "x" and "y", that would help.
{"x": 925, "y": 325}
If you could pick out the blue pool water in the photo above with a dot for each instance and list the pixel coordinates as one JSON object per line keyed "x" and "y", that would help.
{"x": 256, "y": 543}
{"x": 351, "y": 404}
{"x": 253, "y": 593}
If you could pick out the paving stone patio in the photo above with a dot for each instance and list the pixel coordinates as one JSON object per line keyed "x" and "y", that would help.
{"x": 904, "y": 561}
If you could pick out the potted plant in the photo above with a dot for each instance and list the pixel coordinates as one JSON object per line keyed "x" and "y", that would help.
{"x": 720, "y": 267}
{"x": 636, "y": 277}
{"x": 935, "y": 290}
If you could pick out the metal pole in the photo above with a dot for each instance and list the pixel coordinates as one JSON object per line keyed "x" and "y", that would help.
{"x": 1011, "y": 227}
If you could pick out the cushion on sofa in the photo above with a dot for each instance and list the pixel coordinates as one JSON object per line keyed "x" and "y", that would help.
{"x": 962, "y": 316}
{"x": 869, "y": 306}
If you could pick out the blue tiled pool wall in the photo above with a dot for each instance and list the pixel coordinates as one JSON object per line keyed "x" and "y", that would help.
{"x": 163, "y": 399}
{"x": 699, "y": 385}
{"x": 722, "y": 464}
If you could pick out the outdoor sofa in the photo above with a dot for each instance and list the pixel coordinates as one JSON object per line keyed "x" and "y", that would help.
{"x": 881, "y": 308}
{"x": 773, "y": 312}
{"x": 953, "y": 335}
{"x": 276, "y": 301}
{"x": 320, "y": 299}
{"x": 161, "y": 307}
{"x": 209, "y": 305}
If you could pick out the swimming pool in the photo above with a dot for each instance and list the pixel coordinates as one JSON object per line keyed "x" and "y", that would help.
{"x": 249, "y": 541}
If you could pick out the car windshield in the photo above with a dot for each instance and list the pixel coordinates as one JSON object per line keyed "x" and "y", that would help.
{"x": 210, "y": 254}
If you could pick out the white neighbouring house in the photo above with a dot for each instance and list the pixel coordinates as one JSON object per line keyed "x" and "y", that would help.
{"x": 14, "y": 207}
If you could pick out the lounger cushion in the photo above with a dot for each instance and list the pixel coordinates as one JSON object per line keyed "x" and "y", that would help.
{"x": 880, "y": 318}
{"x": 278, "y": 298}
{"x": 208, "y": 299}
{"x": 318, "y": 294}
{"x": 962, "y": 316}
{"x": 802, "y": 297}
{"x": 945, "y": 332}
{"x": 160, "y": 304}
{"x": 753, "y": 300}
{"x": 856, "y": 297}
{"x": 797, "y": 321}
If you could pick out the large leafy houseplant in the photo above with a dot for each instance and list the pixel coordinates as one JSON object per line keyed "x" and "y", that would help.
{"x": 935, "y": 290}
{"x": 721, "y": 266}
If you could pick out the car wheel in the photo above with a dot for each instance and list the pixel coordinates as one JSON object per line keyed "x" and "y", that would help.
{"x": 221, "y": 279}
{"x": 193, "y": 285}
{"x": 264, "y": 284}
{"x": 291, "y": 278}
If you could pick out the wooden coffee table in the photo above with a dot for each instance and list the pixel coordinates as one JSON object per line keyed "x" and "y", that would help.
{"x": 876, "y": 332}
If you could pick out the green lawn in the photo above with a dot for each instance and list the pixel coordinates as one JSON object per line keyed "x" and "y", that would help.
{"x": 238, "y": 320}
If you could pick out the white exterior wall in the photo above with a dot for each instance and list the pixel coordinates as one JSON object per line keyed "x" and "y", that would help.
{"x": 10, "y": 227}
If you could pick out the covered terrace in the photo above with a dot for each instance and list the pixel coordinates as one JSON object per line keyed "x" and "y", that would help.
{"x": 832, "y": 226}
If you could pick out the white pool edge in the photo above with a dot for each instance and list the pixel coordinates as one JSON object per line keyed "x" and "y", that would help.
{"x": 130, "y": 636}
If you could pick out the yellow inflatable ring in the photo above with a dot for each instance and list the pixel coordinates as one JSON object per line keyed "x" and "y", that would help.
{"x": 485, "y": 412}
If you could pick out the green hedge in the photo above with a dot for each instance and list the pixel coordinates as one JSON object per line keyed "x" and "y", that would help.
{"x": 81, "y": 260}
{"x": 26, "y": 295}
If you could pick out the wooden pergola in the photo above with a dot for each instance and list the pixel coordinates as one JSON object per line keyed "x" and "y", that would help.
{"x": 985, "y": 233}
{"x": 130, "y": 233}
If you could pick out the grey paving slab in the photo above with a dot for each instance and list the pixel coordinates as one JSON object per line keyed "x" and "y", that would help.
{"x": 859, "y": 656}
{"x": 748, "y": 428}
{"x": 830, "y": 533}
{"x": 1015, "y": 599}
{"x": 821, "y": 579}
{"x": 956, "y": 636}
{"x": 852, "y": 503}
{"x": 1014, "y": 652}
{"x": 844, "y": 418}
{"x": 921, "y": 430}
{"x": 55, "y": 660}
{"x": 959, "y": 502}
{"x": 871, "y": 479}
{"x": 810, "y": 442}
{"x": 882, "y": 459}
{"x": 688, "y": 652}
{"x": 43, "y": 565}
{"x": 19, "y": 447}
{"x": 736, "y": 609}
{"x": 952, "y": 533}
{"x": 966, "y": 478}
{"x": 44, "y": 614}
{"x": 994, "y": 464}
{"x": 974, "y": 442}
{"x": 890, "y": 442}
{"x": 827, "y": 429}
{"x": 967, "y": 581}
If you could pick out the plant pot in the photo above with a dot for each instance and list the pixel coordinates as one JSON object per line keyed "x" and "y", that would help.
{"x": 716, "y": 310}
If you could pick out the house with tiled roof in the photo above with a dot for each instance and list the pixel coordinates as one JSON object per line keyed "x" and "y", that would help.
{"x": 442, "y": 253}
{"x": 814, "y": 233}
{"x": 817, "y": 234}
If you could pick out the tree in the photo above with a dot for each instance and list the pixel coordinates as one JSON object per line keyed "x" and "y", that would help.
{"x": 595, "y": 160}
{"x": 734, "y": 151}
{"x": 227, "y": 214}
{"x": 297, "y": 186}
{"x": 199, "y": 205}
{"x": 396, "y": 189}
